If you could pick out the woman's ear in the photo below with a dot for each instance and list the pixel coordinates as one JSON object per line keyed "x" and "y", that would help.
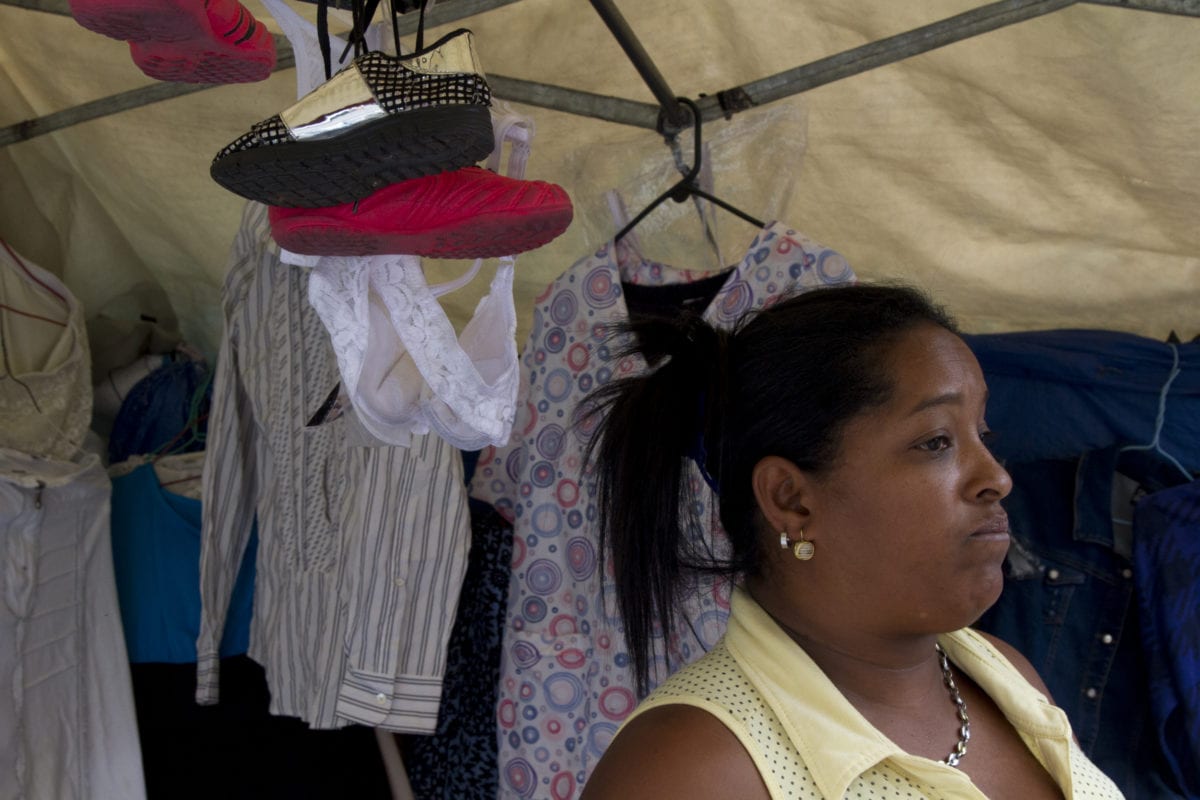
{"x": 781, "y": 488}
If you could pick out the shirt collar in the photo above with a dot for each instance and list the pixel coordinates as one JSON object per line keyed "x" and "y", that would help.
{"x": 1094, "y": 487}
{"x": 837, "y": 743}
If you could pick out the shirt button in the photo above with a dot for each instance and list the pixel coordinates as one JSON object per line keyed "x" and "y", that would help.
{"x": 1092, "y": 694}
{"x": 1052, "y": 574}
{"x": 399, "y": 582}
{"x": 1127, "y": 573}
{"x": 1107, "y": 638}
{"x": 381, "y": 698}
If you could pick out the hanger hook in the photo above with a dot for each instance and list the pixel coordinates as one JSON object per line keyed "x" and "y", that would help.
{"x": 680, "y": 192}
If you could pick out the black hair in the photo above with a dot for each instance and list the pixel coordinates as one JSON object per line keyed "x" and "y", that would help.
{"x": 783, "y": 381}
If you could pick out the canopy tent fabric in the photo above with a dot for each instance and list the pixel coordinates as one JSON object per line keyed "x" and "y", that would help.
{"x": 1042, "y": 175}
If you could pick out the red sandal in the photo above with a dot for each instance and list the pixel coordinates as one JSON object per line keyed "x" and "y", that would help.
{"x": 189, "y": 41}
{"x": 467, "y": 213}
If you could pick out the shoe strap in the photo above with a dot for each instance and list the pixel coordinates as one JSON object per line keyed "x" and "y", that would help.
{"x": 305, "y": 40}
{"x": 396, "y": 7}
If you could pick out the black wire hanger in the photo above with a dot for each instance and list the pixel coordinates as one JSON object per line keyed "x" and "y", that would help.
{"x": 687, "y": 187}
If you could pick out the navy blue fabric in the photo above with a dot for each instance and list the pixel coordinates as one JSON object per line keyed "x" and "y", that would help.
{"x": 1166, "y": 549}
{"x": 1069, "y": 605}
{"x": 157, "y": 409}
{"x": 1061, "y": 393}
{"x": 460, "y": 760}
{"x": 156, "y": 561}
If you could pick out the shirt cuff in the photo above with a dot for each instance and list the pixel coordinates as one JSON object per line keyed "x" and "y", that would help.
{"x": 208, "y": 678}
{"x": 405, "y": 703}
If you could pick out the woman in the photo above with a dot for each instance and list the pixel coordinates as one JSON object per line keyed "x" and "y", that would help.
{"x": 844, "y": 433}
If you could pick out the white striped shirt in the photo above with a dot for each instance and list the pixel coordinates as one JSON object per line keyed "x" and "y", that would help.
{"x": 362, "y": 550}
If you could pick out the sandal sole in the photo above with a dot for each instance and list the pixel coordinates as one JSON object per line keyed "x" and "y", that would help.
{"x": 165, "y": 20}
{"x": 202, "y": 64}
{"x": 483, "y": 236}
{"x": 349, "y": 167}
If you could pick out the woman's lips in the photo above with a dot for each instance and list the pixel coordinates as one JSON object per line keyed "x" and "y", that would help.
{"x": 995, "y": 528}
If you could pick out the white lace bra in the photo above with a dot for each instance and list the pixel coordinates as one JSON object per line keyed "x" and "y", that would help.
{"x": 404, "y": 368}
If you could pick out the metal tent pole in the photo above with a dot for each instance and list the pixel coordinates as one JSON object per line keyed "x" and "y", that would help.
{"x": 673, "y": 113}
{"x": 1187, "y": 8}
{"x": 876, "y": 54}
{"x": 611, "y": 109}
{"x": 631, "y": 112}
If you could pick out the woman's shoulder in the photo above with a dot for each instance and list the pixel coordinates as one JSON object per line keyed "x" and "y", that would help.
{"x": 675, "y": 750}
{"x": 701, "y": 733}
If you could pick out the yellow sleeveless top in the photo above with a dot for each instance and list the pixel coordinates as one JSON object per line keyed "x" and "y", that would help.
{"x": 808, "y": 741}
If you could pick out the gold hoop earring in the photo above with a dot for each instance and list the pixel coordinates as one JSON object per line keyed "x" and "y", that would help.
{"x": 803, "y": 550}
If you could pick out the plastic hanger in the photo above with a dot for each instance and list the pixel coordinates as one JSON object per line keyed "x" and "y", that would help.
{"x": 687, "y": 187}
{"x": 1155, "y": 445}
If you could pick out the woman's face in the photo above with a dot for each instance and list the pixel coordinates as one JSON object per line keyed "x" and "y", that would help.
{"x": 908, "y": 525}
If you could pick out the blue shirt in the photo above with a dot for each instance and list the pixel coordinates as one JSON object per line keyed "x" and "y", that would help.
{"x": 156, "y": 558}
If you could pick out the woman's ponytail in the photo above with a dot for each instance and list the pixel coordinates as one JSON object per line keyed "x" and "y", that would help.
{"x": 647, "y": 427}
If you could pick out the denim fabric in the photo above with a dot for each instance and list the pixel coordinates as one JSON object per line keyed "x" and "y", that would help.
{"x": 1069, "y": 606}
{"x": 1166, "y": 567}
{"x": 1061, "y": 393}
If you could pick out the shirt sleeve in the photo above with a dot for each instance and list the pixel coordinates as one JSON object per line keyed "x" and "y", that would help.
{"x": 406, "y": 535}
{"x": 230, "y": 492}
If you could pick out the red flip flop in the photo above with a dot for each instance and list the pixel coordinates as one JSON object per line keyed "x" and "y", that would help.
{"x": 468, "y": 213}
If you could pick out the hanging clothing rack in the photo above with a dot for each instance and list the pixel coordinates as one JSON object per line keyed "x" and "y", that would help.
{"x": 614, "y": 109}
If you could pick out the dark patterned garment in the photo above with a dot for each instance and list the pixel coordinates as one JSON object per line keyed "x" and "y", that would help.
{"x": 1166, "y": 572}
{"x": 459, "y": 761}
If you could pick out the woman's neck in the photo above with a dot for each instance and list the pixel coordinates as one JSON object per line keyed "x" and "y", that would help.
{"x": 882, "y": 672}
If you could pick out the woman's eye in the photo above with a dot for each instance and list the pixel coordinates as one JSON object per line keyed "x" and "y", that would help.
{"x": 934, "y": 445}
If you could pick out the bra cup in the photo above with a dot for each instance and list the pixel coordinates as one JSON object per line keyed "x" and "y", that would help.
{"x": 388, "y": 392}
{"x": 406, "y": 367}
{"x": 488, "y": 340}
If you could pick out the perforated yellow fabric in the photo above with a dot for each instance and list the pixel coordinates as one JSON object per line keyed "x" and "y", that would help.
{"x": 811, "y": 743}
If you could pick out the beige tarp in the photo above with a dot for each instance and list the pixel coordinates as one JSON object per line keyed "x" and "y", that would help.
{"x": 1042, "y": 175}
